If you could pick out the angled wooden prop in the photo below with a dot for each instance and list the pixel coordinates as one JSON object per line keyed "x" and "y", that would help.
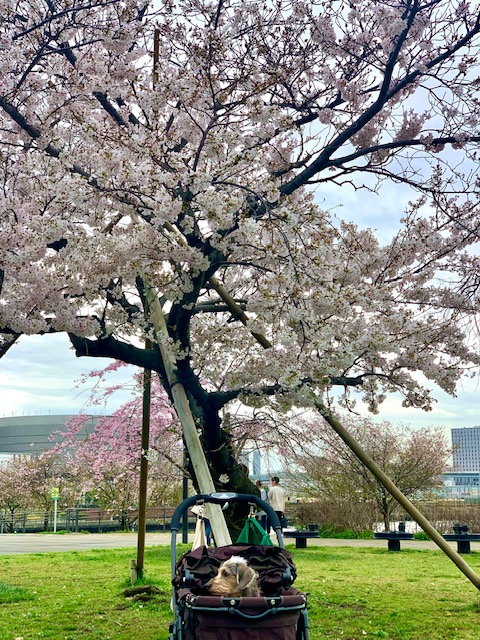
{"x": 397, "y": 494}
{"x": 238, "y": 313}
{"x": 192, "y": 439}
{"x": 372, "y": 466}
{"x": 182, "y": 408}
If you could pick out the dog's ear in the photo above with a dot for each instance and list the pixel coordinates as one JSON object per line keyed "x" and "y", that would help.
{"x": 245, "y": 576}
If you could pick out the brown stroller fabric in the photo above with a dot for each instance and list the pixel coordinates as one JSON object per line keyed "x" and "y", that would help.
{"x": 271, "y": 563}
{"x": 204, "y": 619}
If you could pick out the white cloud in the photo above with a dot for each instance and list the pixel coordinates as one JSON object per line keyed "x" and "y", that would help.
{"x": 447, "y": 412}
{"x": 41, "y": 375}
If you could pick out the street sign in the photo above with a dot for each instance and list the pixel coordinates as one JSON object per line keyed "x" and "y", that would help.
{"x": 55, "y": 493}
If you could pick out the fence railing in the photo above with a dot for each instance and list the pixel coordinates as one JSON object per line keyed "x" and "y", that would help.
{"x": 442, "y": 515}
{"x": 75, "y": 520}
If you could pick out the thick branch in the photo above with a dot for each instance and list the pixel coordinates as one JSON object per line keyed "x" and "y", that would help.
{"x": 7, "y": 341}
{"x": 397, "y": 144}
{"x": 112, "y": 348}
{"x": 322, "y": 160}
{"x": 221, "y": 398}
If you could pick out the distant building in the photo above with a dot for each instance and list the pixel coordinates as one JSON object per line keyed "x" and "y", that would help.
{"x": 462, "y": 485}
{"x": 466, "y": 449}
{"x": 262, "y": 464}
{"x": 29, "y": 435}
{"x": 256, "y": 464}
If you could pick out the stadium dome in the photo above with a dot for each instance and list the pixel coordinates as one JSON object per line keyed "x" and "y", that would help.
{"x": 30, "y": 435}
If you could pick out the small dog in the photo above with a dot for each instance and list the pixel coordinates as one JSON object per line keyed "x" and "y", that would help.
{"x": 235, "y": 579}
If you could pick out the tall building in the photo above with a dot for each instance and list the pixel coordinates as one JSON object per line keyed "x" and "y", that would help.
{"x": 256, "y": 464}
{"x": 466, "y": 449}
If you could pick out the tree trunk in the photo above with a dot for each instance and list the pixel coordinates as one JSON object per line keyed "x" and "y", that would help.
{"x": 11, "y": 522}
{"x": 386, "y": 513}
{"x": 227, "y": 473}
{"x": 386, "y": 521}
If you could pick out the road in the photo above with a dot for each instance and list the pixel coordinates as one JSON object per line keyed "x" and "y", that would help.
{"x": 12, "y": 543}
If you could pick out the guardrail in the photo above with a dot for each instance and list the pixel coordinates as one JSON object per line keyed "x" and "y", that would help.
{"x": 95, "y": 520}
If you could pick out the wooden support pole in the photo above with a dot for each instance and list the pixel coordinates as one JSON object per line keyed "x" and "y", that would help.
{"x": 236, "y": 311}
{"x": 365, "y": 458}
{"x": 398, "y": 495}
{"x": 182, "y": 408}
{"x": 192, "y": 439}
{"x": 142, "y": 497}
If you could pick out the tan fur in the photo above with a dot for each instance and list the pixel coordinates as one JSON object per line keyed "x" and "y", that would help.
{"x": 235, "y": 579}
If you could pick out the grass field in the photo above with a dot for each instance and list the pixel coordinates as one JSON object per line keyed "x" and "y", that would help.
{"x": 353, "y": 594}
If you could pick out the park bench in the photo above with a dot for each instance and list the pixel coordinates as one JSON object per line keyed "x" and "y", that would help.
{"x": 301, "y": 537}
{"x": 394, "y": 537}
{"x": 462, "y": 537}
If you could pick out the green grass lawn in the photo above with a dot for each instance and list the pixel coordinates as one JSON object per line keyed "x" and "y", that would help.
{"x": 353, "y": 594}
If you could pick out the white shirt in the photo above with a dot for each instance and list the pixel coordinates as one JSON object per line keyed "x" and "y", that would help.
{"x": 276, "y": 498}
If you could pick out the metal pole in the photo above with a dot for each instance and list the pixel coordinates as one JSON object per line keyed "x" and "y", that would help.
{"x": 185, "y": 495}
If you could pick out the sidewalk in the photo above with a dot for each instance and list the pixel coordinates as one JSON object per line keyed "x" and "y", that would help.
{"x": 12, "y": 543}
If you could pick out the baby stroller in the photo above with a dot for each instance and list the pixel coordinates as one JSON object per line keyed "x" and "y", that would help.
{"x": 279, "y": 613}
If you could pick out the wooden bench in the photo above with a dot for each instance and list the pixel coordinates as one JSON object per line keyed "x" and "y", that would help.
{"x": 394, "y": 538}
{"x": 301, "y": 537}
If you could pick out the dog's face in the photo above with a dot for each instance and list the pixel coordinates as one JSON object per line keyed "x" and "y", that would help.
{"x": 234, "y": 579}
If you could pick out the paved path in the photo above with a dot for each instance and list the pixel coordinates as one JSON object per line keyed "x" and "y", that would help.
{"x": 48, "y": 542}
{"x": 11, "y": 543}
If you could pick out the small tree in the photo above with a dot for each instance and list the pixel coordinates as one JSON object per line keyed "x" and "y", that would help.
{"x": 107, "y": 462}
{"x": 40, "y": 474}
{"x": 413, "y": 459}
{"x": 13, "y": 494}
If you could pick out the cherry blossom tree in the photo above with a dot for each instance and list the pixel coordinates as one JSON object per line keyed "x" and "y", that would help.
{"x": 13, "y": 497}
{"x": 106, "y": 463}
{"x": 326, "y": 468}
{"x": 27, "y": 483}
{"x": 185, "y": 147}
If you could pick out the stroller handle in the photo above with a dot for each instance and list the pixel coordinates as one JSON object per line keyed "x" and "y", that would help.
{"x": 223, "y": 498}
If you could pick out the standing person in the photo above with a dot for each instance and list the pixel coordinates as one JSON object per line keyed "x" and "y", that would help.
{"x": 262, "y": 516}
{"x": 276, "y": 499}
